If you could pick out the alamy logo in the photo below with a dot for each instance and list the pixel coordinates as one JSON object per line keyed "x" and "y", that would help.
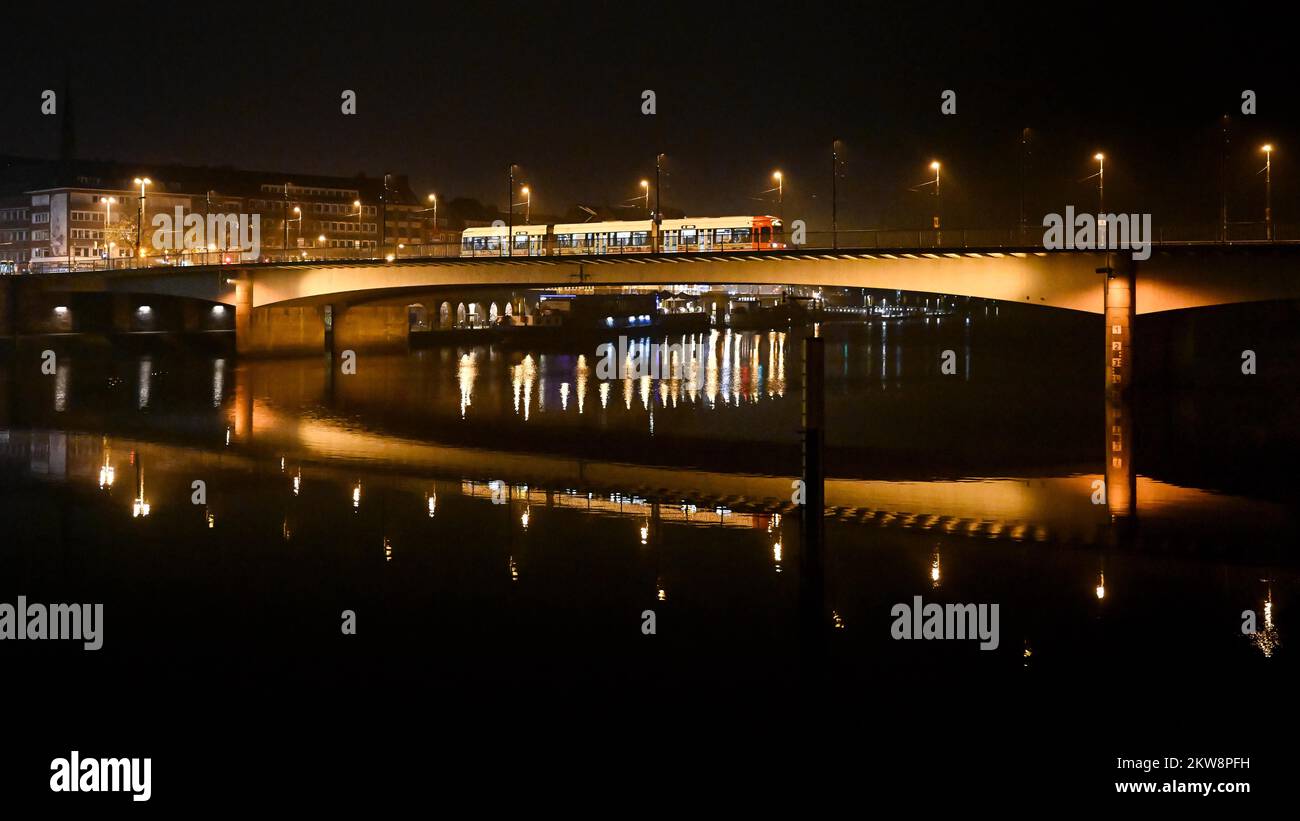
{"x": 76, "y": 622}
{"x": 215, "y": 232}
{"x": 74, "y": 774}
{"x": 1103, "y": 232}
{"x": 643, "y": 358}
{"x": 951, "y": 621}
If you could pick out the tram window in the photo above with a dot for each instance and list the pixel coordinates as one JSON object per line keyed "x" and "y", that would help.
{"x": 723, "y": 235}
{"x": 688, "y": 236}
{"x": 742, "y": 235}
{"x": 623, "y": 238}
{"x": 641, "y": 238}
{"x": 521, "y": 240}
{"x": 493, "y": 243}
{"x": 765, "y": 234}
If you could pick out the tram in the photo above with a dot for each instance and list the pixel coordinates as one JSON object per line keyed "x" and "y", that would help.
{"x": 689, "y": 235}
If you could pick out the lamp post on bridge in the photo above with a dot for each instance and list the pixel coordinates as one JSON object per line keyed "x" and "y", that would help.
{"x": 780, "y": 194}
{"x": 1268, "y": 191}
{"x": 835, "y": 175}
{"x": 938, "y": 237}
{"x": 510, "y": 220}
{"x": 659, "y": 214}
{"x": 139, "y": 225}
{"x": 1101, "y": 195}
{"x": 108, "y": 221}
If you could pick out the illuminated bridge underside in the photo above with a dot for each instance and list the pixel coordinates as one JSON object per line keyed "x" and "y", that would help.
{"x": 1174, "y": 278}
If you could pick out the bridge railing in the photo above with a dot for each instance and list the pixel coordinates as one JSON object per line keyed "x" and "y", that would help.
{"x": 925, "y": 240}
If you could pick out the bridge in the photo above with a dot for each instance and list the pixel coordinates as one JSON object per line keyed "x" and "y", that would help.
{"x": 311, "y": 306}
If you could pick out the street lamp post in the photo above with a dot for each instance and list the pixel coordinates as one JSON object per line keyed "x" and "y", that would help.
{"x": 835, "y": 175}
{"x": 433, "y": 198}
{"x": 139, "y": 224}
{"x": 1101, "y": 196}
{"x": 1268, "y": 191}
{"x": 356, "y": 246}
{"x": 510, "y": 201}
{"x": 528, "y": 205}
{"x": 645, "y": 186}
{"x": 658, "y": 216}
{"x": 286, "y": 221}
{"x": 934, "y": 166}
{"x": 108, "y": 220}
{"x": 780, "y": 194}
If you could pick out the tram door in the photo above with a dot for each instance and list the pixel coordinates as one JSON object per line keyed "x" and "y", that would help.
{"x": 601, "y": 243}
{"x": 669, "y": 241}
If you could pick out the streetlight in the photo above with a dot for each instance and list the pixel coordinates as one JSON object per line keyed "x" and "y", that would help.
{"x": 1101, "y": 181}
{"x": 108, "y": 219}
{"x": 1101, "y": 195}
{"x": 356, "y": 246}
{"x": 645, "y": 188}
{"x": 510, "y": 201}
{"x": 298, "y": 229}
{"x": 1268, "y": 190}
{"x": 433, "y": 198}
{"x": 658, "y": 215}
{"x": 780, "y": 193}
{"x": 835, "y": 175}
{"x": 139, "y": 225}
{"x": 934, "y": 166}
{"x": 528, "y": 204}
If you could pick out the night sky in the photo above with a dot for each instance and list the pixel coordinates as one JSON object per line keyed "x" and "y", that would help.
{"x": 450, "y": 94}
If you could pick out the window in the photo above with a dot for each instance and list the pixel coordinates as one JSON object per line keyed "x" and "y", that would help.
{"x": 724, "y": 234}
{"x": 742, "y": 235}
{"x": 41, "y": 218}
{"x": 87, "y": 216}
{"x": 40, "y": 236}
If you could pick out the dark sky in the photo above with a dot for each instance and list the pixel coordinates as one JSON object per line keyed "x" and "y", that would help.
{"x": 450, "y": 94}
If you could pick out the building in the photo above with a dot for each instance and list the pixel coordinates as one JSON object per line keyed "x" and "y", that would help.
{"x": 69, "y": 215}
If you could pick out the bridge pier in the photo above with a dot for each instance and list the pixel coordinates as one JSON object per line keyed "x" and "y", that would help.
{"x": 1120, "y": 310}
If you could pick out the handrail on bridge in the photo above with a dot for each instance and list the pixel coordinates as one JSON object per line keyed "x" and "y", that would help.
{"x": 857, "y": 239}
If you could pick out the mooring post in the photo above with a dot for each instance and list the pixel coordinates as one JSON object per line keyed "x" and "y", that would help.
{"x": 812, "y": 554}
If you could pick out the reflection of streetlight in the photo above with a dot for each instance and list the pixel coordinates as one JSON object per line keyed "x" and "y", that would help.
{"x": 1101, "y": 585}
{"x": 1268, "y": 190}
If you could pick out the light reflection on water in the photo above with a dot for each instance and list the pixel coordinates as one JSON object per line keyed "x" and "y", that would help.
{"x": 451, "y": 439}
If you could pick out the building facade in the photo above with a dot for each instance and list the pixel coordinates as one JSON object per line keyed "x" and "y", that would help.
{"x": 62, "y": 216}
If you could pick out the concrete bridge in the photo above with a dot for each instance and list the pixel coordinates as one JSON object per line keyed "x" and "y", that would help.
{"x": 313, "y": 306}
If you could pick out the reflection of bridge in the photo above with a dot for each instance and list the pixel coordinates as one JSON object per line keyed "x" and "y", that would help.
{"x": 314, "y": 305}
{"x": 1053, "y": 508}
